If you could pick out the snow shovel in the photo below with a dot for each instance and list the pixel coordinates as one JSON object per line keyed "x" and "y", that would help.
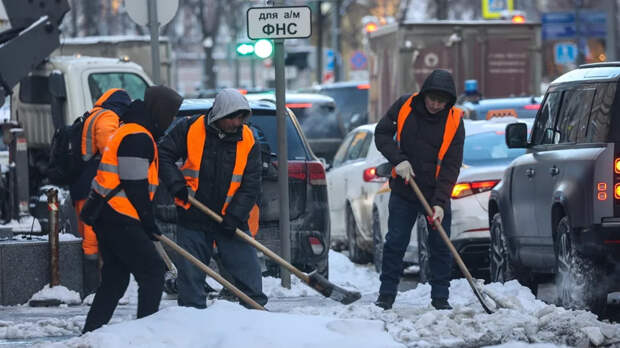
{"x": 455, "y": 254}
{"x": 171, "y": 267}
{"x": 314, "y": 279}
{"x": 211, "y": 272}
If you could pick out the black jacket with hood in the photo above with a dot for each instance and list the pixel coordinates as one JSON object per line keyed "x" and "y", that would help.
{"x": 421, "y": 139}
{"x": 216, "y": 166}
{"x": 155, "y": 113}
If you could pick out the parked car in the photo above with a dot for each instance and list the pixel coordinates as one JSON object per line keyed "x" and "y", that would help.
{"x": 486, "y": 109}
{"x": 309, "y": 212}
{"x": 317, "y": 117}
{"x": 485, "y": 156}
{"x": 557, "y": 209}
{"x": 351, "y": 185}
{"x": 351, "y": 98}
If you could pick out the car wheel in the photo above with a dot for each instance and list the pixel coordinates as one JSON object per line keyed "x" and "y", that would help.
{"x": 578, "y": 279}
{"x": 501, "y": 268}
{"x": 356, "y": 254}
{"x": 377, "y": 239}
{"x": 423, "y": 250}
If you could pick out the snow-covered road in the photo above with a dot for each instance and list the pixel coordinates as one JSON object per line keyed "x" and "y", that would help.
{"x": 299, "y": 318}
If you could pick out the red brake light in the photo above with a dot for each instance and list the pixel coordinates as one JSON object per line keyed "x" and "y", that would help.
{"x": 370, "y": 175}
{"x": 532, "y": 107}
{"x": 297, "y": 170}
{"x": 363, "y": 86}
{"x": 465, "y": 189}
{"x": 317, "y": 173}
{"x": 299, "y": 105}
{"x": 243, "y": 91}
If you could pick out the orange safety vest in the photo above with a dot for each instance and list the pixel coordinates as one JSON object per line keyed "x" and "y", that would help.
{"x": 196, "y": 136}
{"x": 452, "y": 125}
{"x": 107, "y": 177}
{"x": 89, "y": 146}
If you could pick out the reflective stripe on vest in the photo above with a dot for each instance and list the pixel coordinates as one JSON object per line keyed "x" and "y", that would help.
{"x": 89, "y": 148}
{"x": 191, "y": 168}
{"x": 107, "y": 177}
{"x": 452, "y": 125}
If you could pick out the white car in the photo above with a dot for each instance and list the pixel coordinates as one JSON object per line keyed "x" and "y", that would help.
{"x": 485, "y": 156}
{"x": 351, "y": 186}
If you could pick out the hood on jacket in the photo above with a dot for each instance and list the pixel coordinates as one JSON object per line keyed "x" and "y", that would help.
{"x": 227, "y": 102}
{"x": 162, "y": 105}
{"x": 114, "y": 99}
{"x": 440, "y": 81}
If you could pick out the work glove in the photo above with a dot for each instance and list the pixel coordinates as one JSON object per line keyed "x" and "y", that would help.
{"x": 153, "y": 232}
{"x": 182, "y": 194}
{"x": 404, "y": 170}
{"x": 437, "y": 215}
{"x": 229, "y": 225}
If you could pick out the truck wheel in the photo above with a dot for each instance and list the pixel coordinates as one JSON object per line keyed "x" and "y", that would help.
{"x": 377, "y": 239}
{"x": 501, "y": 269}
{"x": 356, "y": 254}
{"x": 423, "y": 250}
{"x": 578, "y": 279}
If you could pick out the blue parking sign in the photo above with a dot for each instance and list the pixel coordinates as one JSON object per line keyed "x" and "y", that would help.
{"x": 565, "y": 53}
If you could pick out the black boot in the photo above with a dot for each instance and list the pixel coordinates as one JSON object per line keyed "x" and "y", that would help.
{"x": 385, "y": 301}
{"x": 90, "y": 274}
{"x": 440, "y": 303}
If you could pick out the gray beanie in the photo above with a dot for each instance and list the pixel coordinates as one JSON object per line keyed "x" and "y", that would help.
{"x": 228, "y": 101}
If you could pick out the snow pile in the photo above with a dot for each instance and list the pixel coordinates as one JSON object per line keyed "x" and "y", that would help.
{"x": 345, "y": 273}
{"x": 229, "y": 325}
{"x": 48, "y": 327}
{"x": 58, "y": 292}
{"x": 62, "y": 237}
{"x": 25, "y": 224}
{"x": 414, "y": 322}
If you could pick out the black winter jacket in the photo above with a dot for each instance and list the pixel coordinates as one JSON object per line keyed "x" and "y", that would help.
{"x": 216, "y": 167}
{"x": 421, "y": 139}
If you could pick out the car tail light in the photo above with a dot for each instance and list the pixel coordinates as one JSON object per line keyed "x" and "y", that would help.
{"x": 297, "y": 170}
{"x": 299, "y": 105}
{"x": 363, "y": 86}
{"x": 370, "y": 175}
{"x": 617, "y": 191}
{"x": 464, "y": 189}
{"x": 316, "y": 172}
{"x": 617, "y": 166}
{"x": 532, "y": 107}
{"x": 316, "y": 245}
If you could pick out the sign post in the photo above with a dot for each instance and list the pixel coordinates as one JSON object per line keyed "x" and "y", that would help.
{"x": 279, "y": 23}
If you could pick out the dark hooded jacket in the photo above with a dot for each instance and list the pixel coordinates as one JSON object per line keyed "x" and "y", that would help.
{"x": 117, "y": 103}
{"x": 164, "y": 104}
{"x": 216, "y": 166}
{"x": 421, "y": 139}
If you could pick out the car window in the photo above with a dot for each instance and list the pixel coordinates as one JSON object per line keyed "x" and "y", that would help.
{"x": 266, "y": 122}
{"x": 546, "y": 118}
{"x": 358, "y": 145}
{"x": 351, "y": 104}
{"x": 488, "y": 148}
{"x": 317, "y": 120}
{"x": 100, "y": 82}
{"x": 600, "y": 117}
{"x": 573, "y": 119}
{"x": 339, "y": 158}
{"x": 34, "y": 89}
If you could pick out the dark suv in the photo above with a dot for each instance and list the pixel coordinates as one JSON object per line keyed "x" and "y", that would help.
{"x": 557, "y": 209}
{"x": 309, "y": 214}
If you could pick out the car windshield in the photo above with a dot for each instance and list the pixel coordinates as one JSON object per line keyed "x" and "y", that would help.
{"x": 488, "y": 148}
{"x": 317, "y": 120}
{"x": 352, "y": 104}
{"x": 267, "y": 125}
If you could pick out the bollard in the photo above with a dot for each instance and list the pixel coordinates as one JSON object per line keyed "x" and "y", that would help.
{"x": 52, "y": 206}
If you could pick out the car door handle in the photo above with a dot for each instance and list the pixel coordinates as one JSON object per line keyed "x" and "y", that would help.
{"x": 553, "y": 171}
{"x": 529, "y": 172}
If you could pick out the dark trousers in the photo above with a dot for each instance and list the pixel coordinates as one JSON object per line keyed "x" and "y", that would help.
{"x": 403, "y": 215}
{"x": 238, "y": 257}
{"x": 125, "y": 249}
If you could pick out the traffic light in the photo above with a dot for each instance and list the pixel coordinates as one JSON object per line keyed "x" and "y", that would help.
{"x": 245, "y": 49}
{"x": 263, "y": 48}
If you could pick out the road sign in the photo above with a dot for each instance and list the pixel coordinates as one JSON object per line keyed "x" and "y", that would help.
{"x": 288, "y": 22}
{"x": 561, "y": 25}
{"x": 565, "y": 53}
{"x": 138, "y": 10}
{"x": 330, "y": 60}
{"x": 358, "y": 61}
{"x": 492, "y": 9}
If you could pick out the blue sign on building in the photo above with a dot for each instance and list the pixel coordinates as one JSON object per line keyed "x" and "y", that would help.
{"x": 358, "y": 61}
{"x": 562, "y": 25}
{"x": 565, "y": 53}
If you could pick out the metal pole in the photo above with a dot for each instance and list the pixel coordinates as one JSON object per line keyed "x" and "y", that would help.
{"x": 319, "y": 43}
{"x": 52, "y": 206}
{"x": 237, "y": 73}
{"x": 253, "y": 71}
{"x": 154, "y": 27}
{"x": 285, "y": 237}
{"x": 578, "y": 32}
{"x": 611, "y": 31}
{"x": 336, "y": 39}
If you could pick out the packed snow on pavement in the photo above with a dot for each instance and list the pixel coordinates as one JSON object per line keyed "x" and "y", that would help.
{"x": 311, "y": 321}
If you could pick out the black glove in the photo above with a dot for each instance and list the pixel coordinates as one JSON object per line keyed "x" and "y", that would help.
{"x": 182, "y": 194}
{"x": 153, "y": 232}
{"x": 229, "y": 225}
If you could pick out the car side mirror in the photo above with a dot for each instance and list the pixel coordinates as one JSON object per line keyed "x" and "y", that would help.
{"x": 516, "y": 135}
{"x": 384, "y": 170}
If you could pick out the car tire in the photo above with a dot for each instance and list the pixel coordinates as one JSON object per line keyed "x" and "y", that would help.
{"x": 501, "y": 268}
{"x": 356, "y": 254}
{"x": 423, "y": 250}
{"x": 377, "y": 239}
{"x": 578, "y": 278}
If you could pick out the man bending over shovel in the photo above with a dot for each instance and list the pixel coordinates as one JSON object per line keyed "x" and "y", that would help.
{"x": 222, "y": 170}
